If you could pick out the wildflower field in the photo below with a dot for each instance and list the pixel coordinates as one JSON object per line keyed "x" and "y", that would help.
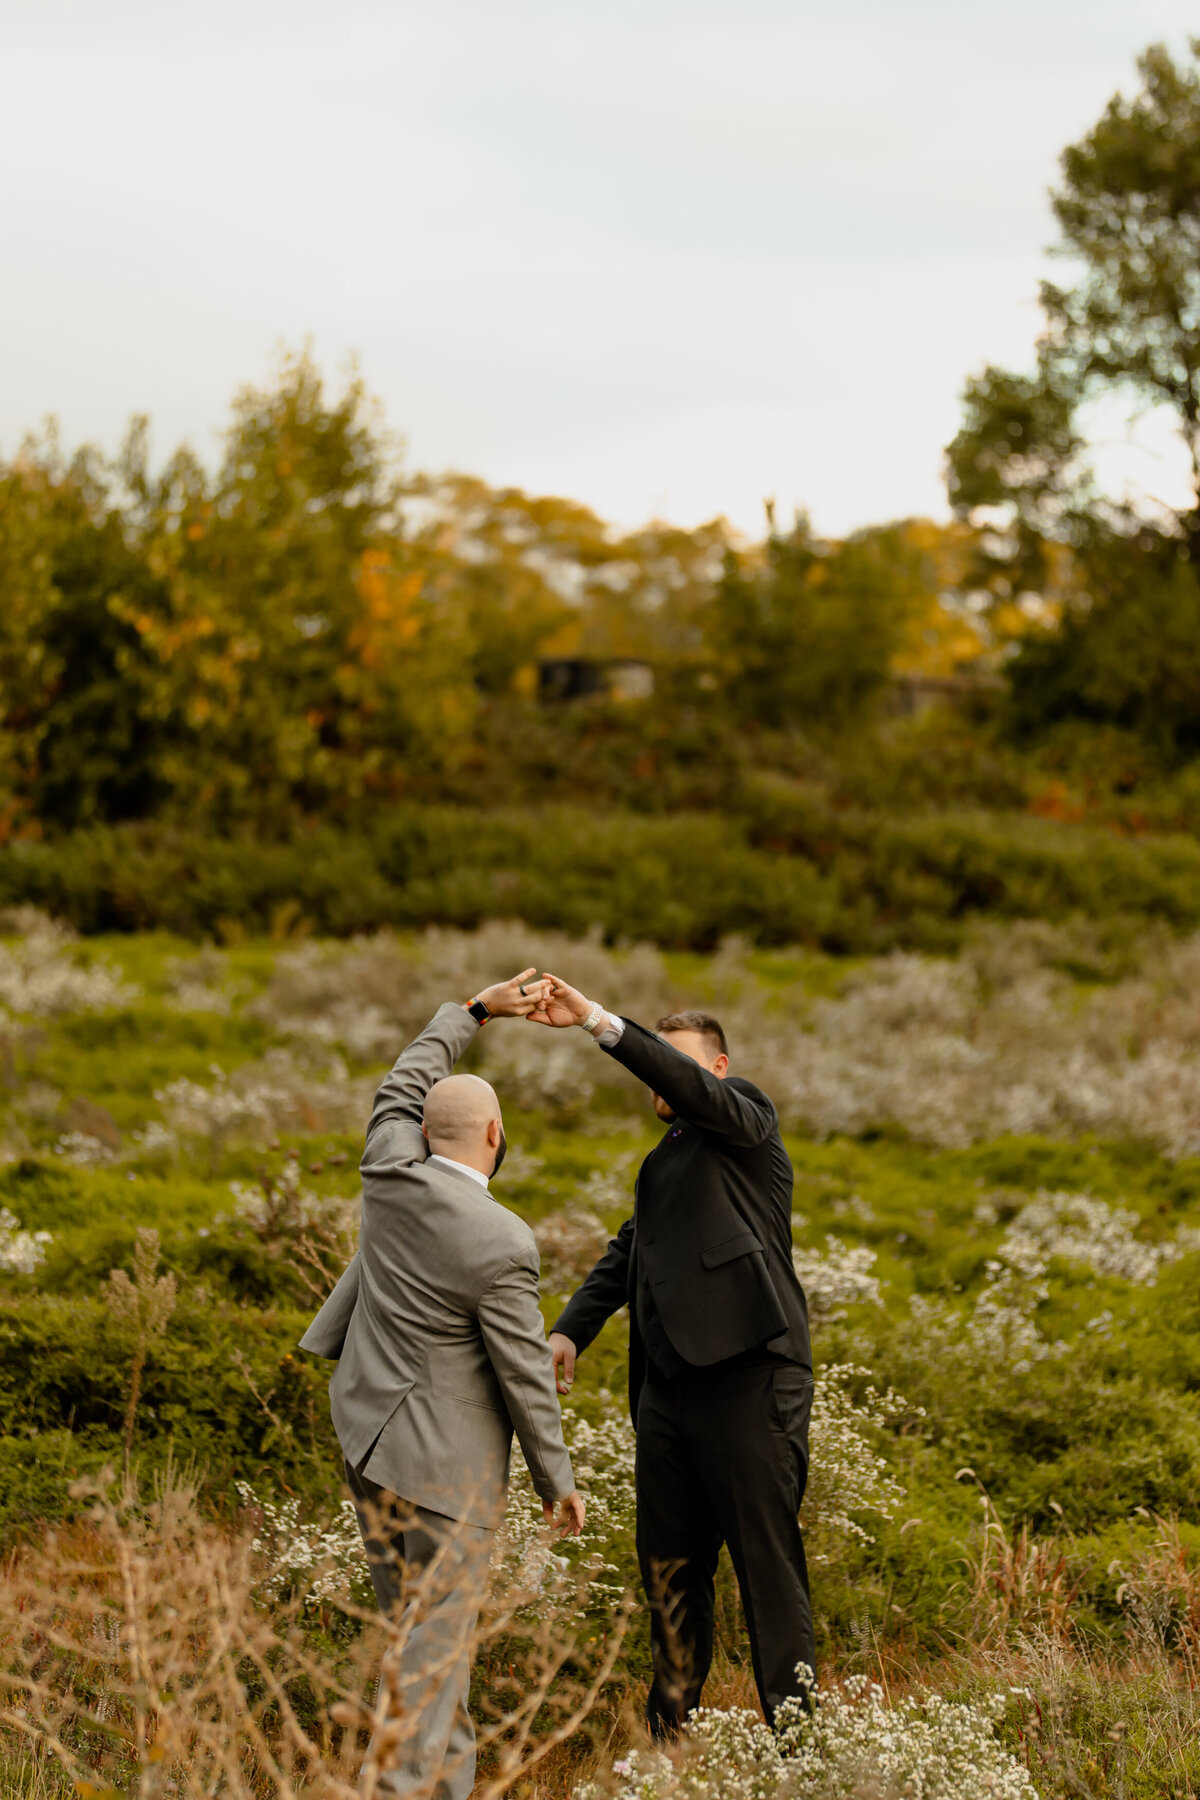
{"x": 997, "y": 1221}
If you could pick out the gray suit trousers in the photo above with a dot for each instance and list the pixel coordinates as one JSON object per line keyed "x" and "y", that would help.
{"x": 428, "y": 1572}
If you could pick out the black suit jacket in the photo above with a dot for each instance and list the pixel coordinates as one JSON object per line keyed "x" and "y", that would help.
{"x": 711, "y": 1225}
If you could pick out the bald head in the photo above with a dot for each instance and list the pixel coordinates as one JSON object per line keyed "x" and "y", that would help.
{"x": 462, "y": 1120}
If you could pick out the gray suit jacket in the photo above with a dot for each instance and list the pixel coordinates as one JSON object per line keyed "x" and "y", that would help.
{"x": 435, "y": 1324}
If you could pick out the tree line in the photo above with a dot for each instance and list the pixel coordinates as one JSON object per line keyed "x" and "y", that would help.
{"x": 308, "y": 631}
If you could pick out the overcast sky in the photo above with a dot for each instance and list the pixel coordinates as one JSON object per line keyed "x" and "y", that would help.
{"x": 666, "y": 256}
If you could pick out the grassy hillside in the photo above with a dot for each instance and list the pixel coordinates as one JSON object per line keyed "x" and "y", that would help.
{"x": 997, "y": 1219}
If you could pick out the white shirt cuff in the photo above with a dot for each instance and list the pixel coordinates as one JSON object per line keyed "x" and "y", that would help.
{"x": 612, "y": 1034}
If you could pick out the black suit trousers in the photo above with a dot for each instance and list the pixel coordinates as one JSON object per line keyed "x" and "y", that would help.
{"x": 722, "y": 1457}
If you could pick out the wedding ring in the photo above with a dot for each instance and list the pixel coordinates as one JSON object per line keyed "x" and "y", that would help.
{"x": 522, "y": 992}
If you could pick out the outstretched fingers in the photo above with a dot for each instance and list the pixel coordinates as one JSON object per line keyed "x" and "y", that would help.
{"x": 528, "y": 992}
{"x": 517, "y": 998}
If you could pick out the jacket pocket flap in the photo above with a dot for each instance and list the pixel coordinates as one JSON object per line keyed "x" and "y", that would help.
{"x": 724, "y": 1252}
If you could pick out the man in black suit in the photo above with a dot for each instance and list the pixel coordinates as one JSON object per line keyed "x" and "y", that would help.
{"x": 720, "y": 1369}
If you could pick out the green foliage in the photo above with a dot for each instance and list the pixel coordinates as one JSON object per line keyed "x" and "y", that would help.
{"x": 809, "y": 634}
{"x": 1127, "y": 211}
{"x": 301, "y": 631}
{"x": 1120, "y": 645}
{"x": 1130, "y": 658}
{"x": 223, "y": 1390}
{"x": 793, "y": 869}
{"x": 1076, "y": 1431}
{"x": 227, "y": 645}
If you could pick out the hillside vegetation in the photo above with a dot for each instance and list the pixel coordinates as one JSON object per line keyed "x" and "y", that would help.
{"x": 997, "y": 1222}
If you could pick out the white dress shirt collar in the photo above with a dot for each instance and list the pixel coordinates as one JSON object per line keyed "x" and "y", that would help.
{"x": 448, "y": 1162}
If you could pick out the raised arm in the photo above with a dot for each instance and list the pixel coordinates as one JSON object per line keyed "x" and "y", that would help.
{"x": 735, "y": 1111}
{"x": 394, "y": 1134}
{"x": 739, "y": 1114}
{"x": 400, "y": 1102}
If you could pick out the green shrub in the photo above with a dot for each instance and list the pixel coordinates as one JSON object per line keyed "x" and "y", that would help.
{"x": 226, "y": 1389}
{"x": 792, "y": 868}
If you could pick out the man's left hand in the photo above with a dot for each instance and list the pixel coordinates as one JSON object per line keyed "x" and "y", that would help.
{"x": 506, "y": 1001}
{"x": 565, "y": 1519}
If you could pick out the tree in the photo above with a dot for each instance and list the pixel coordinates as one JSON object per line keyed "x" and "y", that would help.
{"x": 240, "y": 648}
{"x": 1127, "y": 329}
{"x": 1128, "y": 657}
{"x": 504, "y": 564}
{"x": 76, "y": 682}
{"x": 297, "y": 645}
{"x": 27, "y": 593}
{"x": 805, "y": 633}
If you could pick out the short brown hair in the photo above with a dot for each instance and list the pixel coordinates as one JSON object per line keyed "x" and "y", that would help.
{"x": 702, "y": 1022}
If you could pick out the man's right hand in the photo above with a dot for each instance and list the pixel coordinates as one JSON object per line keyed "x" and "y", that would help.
{"x": 565, "y": 1519}
{"x": 561, "y": 1005}
{"x": 563, "y": 1352}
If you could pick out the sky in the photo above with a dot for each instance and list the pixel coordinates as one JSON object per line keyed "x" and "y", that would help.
{"x": 668, "y": 257}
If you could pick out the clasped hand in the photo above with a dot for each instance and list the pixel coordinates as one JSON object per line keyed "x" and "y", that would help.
{"x": 560, "y": 1005}
{"x": 542, "y": 999}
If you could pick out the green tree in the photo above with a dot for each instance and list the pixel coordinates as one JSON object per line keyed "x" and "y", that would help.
{"x": 1125, "y": 331}
{"x": 296, "y": 644}
{"x": 240, "y": 648}
{"x": 504, "y": 564}
{"x": 805, "y": 633}
{"x": 27, "y": 594}
{"x": 76, "y": 681}
{"x": 1128, "y": 657}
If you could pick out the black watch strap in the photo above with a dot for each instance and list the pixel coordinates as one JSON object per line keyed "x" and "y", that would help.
{"x": 479, "y": 1012}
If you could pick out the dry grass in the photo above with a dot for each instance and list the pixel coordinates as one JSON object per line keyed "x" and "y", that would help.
{"x": 148, "y": 1652}
{"x": 140, "y": 1656}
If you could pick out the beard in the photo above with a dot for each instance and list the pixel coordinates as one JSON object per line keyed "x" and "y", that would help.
{"x": 662, "y": 1109}
{"x": 501, "y": 1151}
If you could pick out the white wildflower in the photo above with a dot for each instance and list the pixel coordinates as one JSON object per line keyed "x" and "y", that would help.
{"x": 280, "y": 1206}
{"x": 44, "y": 975}
{"x": 987, "y": 1045}
{"x": 602, "y": 1459}
{"x": 855, "y": 1742}
{"x": 1079, "y": 1228}
{"x": 840, "y": 1278}
{"x": 847, "y": 1475}
{"x": 261, "y": 1095}
{"x": 570, "y": 1242}
{"x": 155, "y": 1139}
{"x": 21, "y": 1252}
{"x": 218, "y": 1109}
{"x": 200, "y": 983}
{"x": 320, "y": 1562}
{"x": 1001, "y": 1330}
{"x": 83, "y": 1151}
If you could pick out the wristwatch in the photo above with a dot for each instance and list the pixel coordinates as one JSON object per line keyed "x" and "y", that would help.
{"x": 478, "y": 1012}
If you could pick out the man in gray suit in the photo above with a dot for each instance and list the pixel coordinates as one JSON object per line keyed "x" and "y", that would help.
{"x": 441, "y": 1354}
